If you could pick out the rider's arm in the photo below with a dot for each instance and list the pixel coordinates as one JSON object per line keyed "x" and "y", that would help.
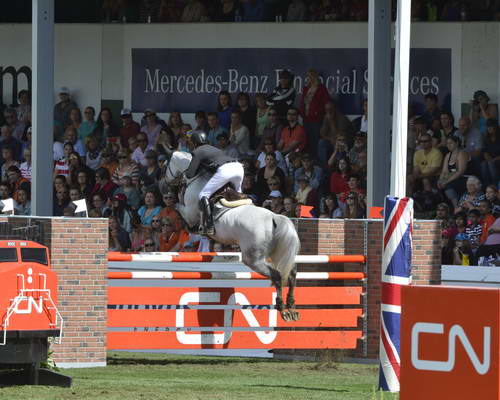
{"x": 193, "y": 166}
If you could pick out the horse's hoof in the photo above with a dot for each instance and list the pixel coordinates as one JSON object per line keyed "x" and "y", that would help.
{"x": 294, "y": 315}
{"x": 286, "y": 316}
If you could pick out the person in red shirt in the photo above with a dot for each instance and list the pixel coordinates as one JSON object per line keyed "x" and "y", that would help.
{"x": 129, "y": 127}
{"x": 486, "y": 220}
{"x": 312, "y": 108}
{"x": 293, "y": 136}
{"x": 353, "y": 184}
{"x": 338, "y": 179}
{"x": 169, "y": 238}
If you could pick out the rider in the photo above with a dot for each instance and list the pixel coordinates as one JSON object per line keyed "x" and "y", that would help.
{"x": 226, "y": 169}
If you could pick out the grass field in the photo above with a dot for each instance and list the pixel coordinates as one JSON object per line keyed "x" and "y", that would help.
{"x": 159, "y": 376}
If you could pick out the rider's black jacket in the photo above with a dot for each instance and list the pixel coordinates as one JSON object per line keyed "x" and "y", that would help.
{"x": 207, "y": 157}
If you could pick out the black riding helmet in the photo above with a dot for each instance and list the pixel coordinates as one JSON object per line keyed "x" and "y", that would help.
{"x": 199, "y": 138}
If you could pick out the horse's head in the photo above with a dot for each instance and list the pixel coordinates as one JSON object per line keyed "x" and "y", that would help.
{"x": 179, "y": 162}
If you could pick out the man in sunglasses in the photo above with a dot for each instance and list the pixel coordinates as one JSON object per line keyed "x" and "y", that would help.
{"x": 427, "y": 162}
{"x": 225, "y": 170}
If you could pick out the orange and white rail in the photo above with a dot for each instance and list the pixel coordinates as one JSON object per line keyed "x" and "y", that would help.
{"x": 232, "y": 257}
{"x": 230, "y": 275}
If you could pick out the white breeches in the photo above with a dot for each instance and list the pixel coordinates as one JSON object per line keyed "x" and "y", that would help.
{"x": 231, "y": 172}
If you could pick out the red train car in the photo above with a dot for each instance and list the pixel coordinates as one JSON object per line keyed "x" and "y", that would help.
{"x": 29, "y": 314}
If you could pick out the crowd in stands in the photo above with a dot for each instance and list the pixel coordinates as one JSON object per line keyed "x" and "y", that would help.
{"x": 173, "y": 11}
{"x": 296, "y": 151}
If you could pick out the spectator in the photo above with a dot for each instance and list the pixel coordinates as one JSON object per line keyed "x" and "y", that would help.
{"x": 226, "y": 147}
{"x": 276, "y": 202}
{"x": 169, "y": 211}
{"x": 481, "y": 110}
{"x": 167, "y": 142}
{"x": 76, "y": 165}
{"x": 122, "y": 211}
{"x": 487, "y": 219}
{"x": 125, "y": 167}
{"x": 194, "y": 11}
{"x": 83, "y": 183}
{"x": 471, "y": 198}
{"x": 201, "y": 121}
{"x": 265, "y": 175}
{"x": 472, "y": 141}
{"x": 312, "y": 108}
{"x": 248, "y": 115}
{"x": 139, "y": 154}
{"x": 353, "y": 208}
{"x": 8, "y": 160}
{"x": 175, "y": 122}
{"x": 427, "y": 198}
{"x": 339, "y": 177}
{"x": 131, "y": 193}
{"x": 270, "y": 147}
{"x": 108, "y": 161}
{"x": 224, "y": 109}
{"x": 360, "y": 124}
{"x": 16, "y": 181}
{"x": 156, "y": 231}
{"x": 340, "y": 150}
{"x": 119, "y": 239}
{"x": 432, "y": 110}
{"x": 239, "y": 134}
{"x": 71, "y": 136}
{"x": 88, "y": 124}
{"x": 169, "y": 238}
{"x": 63, "y": 108}
{"x": 452, "y": 179}
{"x": 248, "y": 188}
{"x": 474, "y": 228}
{"x": 427, "y": 162}
{"x": 355, "y": 154}
{"x": 289, "y": 205}
{"x": 274, "y": 183}
{"x": 443, "y": 214}
{"x": 491, "y": 154}
{"x": 214, "y": 129}
{"x": 283, "y": 95}
{"x": 460, "y": 224}
{"x": 149, "y": 209}
{"x": 297, "y": 11}
{"x": 99, "y": 203}
{"x": 151, "y": 129}
{"x": 306, "y": 195}
{"x": 313, "y": 173}
{"x": 169, "y": 12}
{"x": 62, "y": 165}
{"x": 462, "y": 252}
{"x": 17, "y": 127}
{"x": 491, "y": 246}
{"x": 103, "y": 183}
{"x": 23, "y": 202}
{"x": 23, "y": 110}
{"x": 106, "y": 131}
{"x": 293, "y": 136}
{"x": 151, "y": 171}
{"x": 329, "y": 207}
{"x": 262, "y": 117}
{"x": 353, "y": 184}
{"x": 25, "y": 167}
{"x": 447, "y": 245}
{"x": 61, "y": 201}
{"x": 272, "y": 130}
{"x": 129, "y": 127}
{"x": 75, "y": 117}
{"x": 447, "y": 126}
{"x": 75, "y": 195}
{"x": 491, "y": 194}
{"x": 7, "y": 140}
{"x": 93, "y": 153}
{"x": 334, "y": 124}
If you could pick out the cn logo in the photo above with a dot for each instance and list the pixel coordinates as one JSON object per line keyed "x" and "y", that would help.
{"x": 456, "y": 333}
{"x": 32, "y": 304}
{"x": 224, "y": 337}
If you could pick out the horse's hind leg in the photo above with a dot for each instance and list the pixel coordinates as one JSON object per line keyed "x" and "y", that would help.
{"x": 290, "y": 298}
{"x": 259, "y": 265}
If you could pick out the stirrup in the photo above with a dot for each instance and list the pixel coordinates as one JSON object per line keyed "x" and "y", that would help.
{"x": 203, "y": 230}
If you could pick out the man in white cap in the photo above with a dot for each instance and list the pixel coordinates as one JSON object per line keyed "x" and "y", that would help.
{"x": 63, "y": 108}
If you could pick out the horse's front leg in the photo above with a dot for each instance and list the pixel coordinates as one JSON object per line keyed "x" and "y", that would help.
{"x": 290, "y": 299}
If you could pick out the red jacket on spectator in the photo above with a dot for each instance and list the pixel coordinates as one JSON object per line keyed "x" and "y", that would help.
{"x": 338, "y": 183}
{"x": 317, "y": 105}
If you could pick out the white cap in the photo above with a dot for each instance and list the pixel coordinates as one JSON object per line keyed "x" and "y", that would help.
{"x": 125, "y": 112}
{"x": 64, "y": 90}
{"x": 275, "y": 193}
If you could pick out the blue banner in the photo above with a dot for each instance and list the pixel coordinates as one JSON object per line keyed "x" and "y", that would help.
{"x": 188, "y": 80}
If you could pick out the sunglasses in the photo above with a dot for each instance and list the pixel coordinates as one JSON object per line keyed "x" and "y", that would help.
{"x": 149, "y": 244}
{"x": 155, "y": 220}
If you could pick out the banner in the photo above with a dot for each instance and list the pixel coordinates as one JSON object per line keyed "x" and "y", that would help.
{"x": 188, "y": 80}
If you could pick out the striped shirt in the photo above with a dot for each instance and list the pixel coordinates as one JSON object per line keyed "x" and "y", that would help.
{"x": 474, "y": 232}
{"x": 62, "y": 168}
{"x": 25, "y": 169}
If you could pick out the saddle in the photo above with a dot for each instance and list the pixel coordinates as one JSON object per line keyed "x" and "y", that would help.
{"x": 230, "y": 198}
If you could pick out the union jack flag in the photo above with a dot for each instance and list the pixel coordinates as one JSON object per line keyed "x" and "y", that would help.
{"x": 396, "y": 271}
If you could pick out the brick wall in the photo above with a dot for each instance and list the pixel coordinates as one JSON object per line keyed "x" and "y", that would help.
{"x": 78, "y": 251}
{"x": 348, "y": 237}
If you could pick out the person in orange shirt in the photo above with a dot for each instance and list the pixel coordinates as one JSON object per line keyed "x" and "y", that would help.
{"x": 17, "y": 181}
{"x": 169, "y": 211}
{"x": 169, "y": 238}
{"x": 486, "y": 220}
{"x": 293, "y": 136}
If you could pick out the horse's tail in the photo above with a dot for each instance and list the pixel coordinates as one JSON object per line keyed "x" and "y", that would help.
{"x": 284, "y": 247}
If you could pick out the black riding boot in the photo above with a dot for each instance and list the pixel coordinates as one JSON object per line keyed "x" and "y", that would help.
{"x": 207, "y": 226}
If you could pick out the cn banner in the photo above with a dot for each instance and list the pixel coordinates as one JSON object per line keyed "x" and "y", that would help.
{"x": 188, "y": 80}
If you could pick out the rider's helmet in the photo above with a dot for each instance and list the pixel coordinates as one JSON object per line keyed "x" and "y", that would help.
{"x": 199, "y": 138}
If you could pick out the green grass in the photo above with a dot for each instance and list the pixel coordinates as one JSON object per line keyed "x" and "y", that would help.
{"x": 160, "y": 376}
